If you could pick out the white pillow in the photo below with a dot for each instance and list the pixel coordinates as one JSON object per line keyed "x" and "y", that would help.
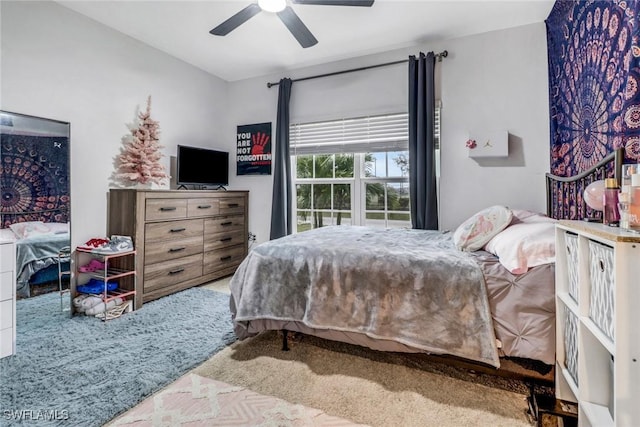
{"x": 22, "y": 230}
{"x": 476, "y": 231}
{"x": 520, "y": 215}
{"x": 524, "y": 245}
{"x": 58, "y": 227}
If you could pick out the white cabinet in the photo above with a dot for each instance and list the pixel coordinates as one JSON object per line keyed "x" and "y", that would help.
{"x": 597, "y": 321}
{"x": 7, "y": 298}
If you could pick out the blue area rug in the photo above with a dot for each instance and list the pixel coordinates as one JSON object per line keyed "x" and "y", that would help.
{"x": 82, "y": 371}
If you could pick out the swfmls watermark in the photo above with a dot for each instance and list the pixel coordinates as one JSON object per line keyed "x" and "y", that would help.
{"x": 36, "y": 414}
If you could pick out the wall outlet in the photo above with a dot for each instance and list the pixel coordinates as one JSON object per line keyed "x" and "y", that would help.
{"x": 252, "y": 237}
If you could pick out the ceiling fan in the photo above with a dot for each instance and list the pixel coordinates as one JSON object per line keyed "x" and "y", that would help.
{"x": 286, "y": 15}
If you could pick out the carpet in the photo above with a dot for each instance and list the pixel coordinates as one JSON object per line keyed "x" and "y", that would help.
{"x": 377, "y": 390}
{"x": 81, "y": 371}
{"x": 196, "y": 401}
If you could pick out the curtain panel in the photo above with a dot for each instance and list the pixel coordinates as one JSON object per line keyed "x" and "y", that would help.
{"x": 422, "y": 142}
{"x": 281, "y": 212}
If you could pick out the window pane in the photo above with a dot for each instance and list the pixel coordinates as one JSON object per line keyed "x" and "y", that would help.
{"x": 341, "y": 196}
{"x": 398, "y": 196}
{"x": 321, "y": 219}
{"x": 304, "y": 221}
{"x": 324, "y": 166}
{"x": 399, "y": 220}
{"x": 374, "y": 164}
{"x": 375, "y": 196}
{"x": 304, "y": 166}
{"x": 375, "y": 219}
{"x": 342, "y": 218}
{"x": 398, "y": 163}
{"x": 344, "y": 165}
{"x": 322, "y": 196}
{"x": 303, "y": 194}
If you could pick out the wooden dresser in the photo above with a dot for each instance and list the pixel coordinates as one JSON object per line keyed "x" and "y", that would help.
{"x": 183, "y": 238}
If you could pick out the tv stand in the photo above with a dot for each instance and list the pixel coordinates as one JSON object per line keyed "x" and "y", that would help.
{"x": 182, "y": 187}
{"x": 220, "y": 187}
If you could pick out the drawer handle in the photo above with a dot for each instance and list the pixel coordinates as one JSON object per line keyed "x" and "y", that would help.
{"x": 601, "y": 265}
{"x": 204, "y": 207}
{"x": 170, "y": 208}
{"x": 176, "y": 271}
{"x": 225, "y": 258}
{"x": 177, "y": 230}
{"x": 226, "y": 239}
{"x": 177, "y": 249}
{"x": 224, "y": 224}
{"x": 233, "y": 205}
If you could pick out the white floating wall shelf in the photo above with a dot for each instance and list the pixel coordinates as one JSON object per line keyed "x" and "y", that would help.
{"x": 489, "y": 144}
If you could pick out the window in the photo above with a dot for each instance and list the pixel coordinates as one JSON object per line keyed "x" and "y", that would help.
{"x": 352, "y": 172}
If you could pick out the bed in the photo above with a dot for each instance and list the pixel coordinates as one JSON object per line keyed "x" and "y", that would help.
{"x": 40, "y": 248}
{"x": 419, "y": 291}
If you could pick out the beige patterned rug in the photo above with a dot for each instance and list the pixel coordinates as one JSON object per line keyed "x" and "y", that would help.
{"x": 196, "y": 401}
{"x": 323, "y": 383}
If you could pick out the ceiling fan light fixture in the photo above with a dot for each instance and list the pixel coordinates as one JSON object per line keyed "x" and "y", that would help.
{"x": 272, "y": 5}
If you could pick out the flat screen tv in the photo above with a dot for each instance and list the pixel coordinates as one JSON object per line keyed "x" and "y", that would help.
{"x": 202, "y": 167}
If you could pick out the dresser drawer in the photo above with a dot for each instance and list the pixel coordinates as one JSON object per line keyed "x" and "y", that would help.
{"x": 173, "y": 230}
{"x": 225, "y": 223}
{"x": 7, "y": 257}
{"x": 7, "y": 286}
{"x": 169, "y": 273}
{"x": 231, "y": 205}
{"x": 158, "y": 209}
{"x": 163, "y": 251}
{"x": 6, "y": 314}
{"x": 223, "y": 240}
{"x": 223, "y": 258}
{"x": 6, "y": 342}
{"x": 202, "y": 207}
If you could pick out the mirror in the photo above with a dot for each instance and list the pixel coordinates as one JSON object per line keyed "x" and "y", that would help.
{"x": 35, "y": 205}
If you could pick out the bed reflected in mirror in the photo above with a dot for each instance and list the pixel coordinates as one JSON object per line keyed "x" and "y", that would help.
{"x": 35, "y": 205}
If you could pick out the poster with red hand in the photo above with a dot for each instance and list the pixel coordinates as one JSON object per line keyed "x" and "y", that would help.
{"x": 253, "y": 153}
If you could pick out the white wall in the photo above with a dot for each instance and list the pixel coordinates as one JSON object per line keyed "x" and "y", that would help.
{"x": 492, "y": 81}
{"x": 495, "y": 81}
{"x": 59, "y": 64}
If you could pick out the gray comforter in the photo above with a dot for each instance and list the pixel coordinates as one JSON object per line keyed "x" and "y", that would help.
{"x": 35, "y": 253}
{"x": 408, "y": 286}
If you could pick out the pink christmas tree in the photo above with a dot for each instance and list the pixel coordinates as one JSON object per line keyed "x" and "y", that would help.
{"x": 139, "y": 160}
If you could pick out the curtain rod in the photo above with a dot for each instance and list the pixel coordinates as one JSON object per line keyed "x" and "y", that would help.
{"x": 438, "y": 56}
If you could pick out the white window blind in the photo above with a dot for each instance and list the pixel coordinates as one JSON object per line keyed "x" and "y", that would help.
{"x": 354, "y": 135}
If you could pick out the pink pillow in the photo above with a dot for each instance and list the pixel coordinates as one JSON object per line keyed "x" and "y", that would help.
{"x": 476, "y": 231}
{"x": 525, "y": 244}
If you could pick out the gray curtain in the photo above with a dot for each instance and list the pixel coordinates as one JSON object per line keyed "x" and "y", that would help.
{"x": 422, "y": 145}
{"x": 281, "y": 217}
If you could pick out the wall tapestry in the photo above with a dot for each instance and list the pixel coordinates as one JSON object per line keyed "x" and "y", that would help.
{"x": 594, "y": 101}
{"x": 253, "y": 155}
{"x": 593, "y": 49}
{"x": 35, "y": 178}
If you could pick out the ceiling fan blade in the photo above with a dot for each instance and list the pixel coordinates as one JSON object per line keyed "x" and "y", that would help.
{"x": 236, "y": 20}
{"x": 297, "y": 27}
{"x": 364, "y": 3}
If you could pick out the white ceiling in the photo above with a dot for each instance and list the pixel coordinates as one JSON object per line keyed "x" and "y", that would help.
{"x": 263, "y": 45}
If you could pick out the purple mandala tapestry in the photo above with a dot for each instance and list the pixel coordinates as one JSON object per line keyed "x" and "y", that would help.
{"x": 35, "y": 179}
{"x": 594, "y": 72}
